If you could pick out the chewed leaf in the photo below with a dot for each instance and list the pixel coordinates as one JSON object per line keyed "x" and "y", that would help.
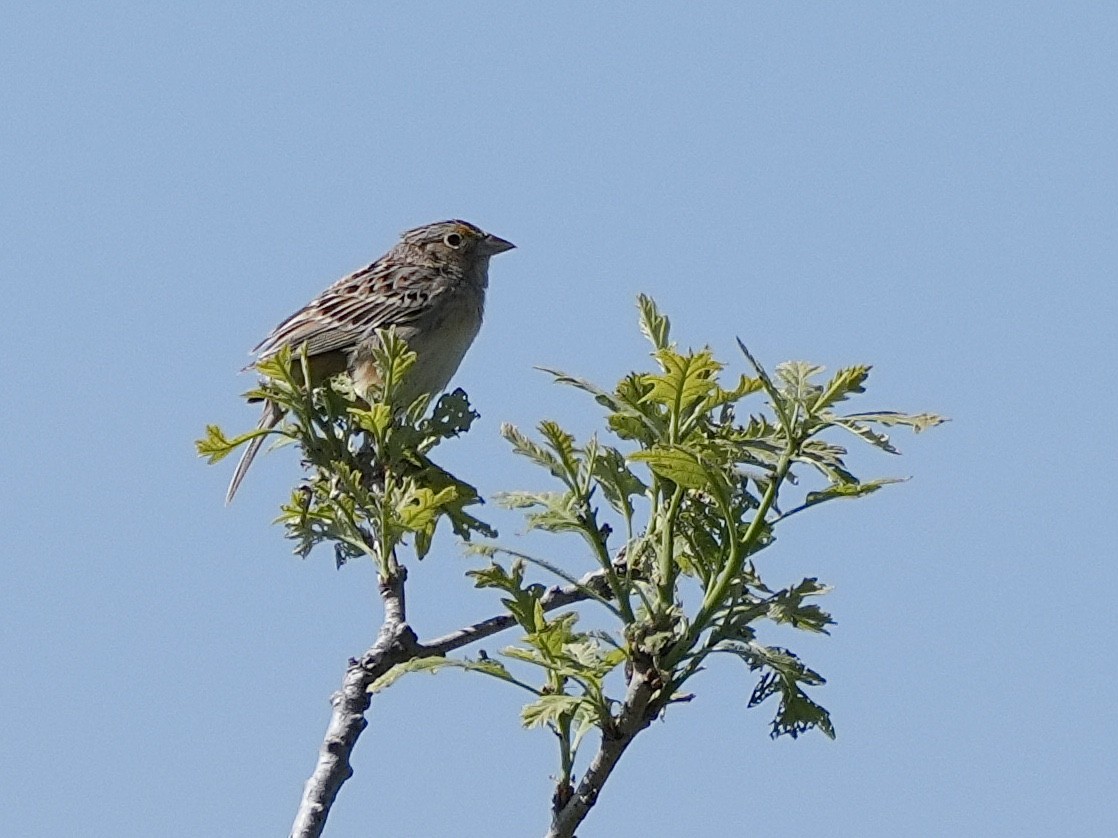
{"x": 451, "y": 416}
{"x": 788, "y": 606}
{"x": 783, "y": 673}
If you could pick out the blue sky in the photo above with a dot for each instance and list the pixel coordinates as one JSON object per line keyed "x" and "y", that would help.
{"x": 930, "y": 188}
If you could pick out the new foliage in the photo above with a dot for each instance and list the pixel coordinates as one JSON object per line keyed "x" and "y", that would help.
{"x": 691, "y": 479}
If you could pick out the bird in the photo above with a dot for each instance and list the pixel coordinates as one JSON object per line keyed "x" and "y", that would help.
{"x": 430, "y": 286}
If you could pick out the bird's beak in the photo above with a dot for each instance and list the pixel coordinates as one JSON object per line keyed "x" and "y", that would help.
{"x": 493, "y": 245}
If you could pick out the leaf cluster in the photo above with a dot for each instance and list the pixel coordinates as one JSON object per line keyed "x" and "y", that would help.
{"x": 684, "y": 496}
{"x": 695, "y": 474}
{"x": 369, "y": 483}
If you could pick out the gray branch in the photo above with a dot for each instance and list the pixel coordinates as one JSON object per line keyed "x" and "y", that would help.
{"x": 396, "y": 643}
{"x": 554, "y": 598}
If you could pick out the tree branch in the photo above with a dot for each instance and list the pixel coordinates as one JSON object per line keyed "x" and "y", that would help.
{"x": 556, "y": 597}
{"x": 396, "y": 643}
{"x": 643, "y": 701}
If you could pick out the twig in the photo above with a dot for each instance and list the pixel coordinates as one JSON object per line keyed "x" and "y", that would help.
{"x": 396, "y": 643}
{"x": 557, "y": 597}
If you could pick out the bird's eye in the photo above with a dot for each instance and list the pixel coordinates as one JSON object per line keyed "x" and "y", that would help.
{"x": 452, "y": 239}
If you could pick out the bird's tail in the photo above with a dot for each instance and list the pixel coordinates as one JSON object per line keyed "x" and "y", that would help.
{"x": 268, "y": 420}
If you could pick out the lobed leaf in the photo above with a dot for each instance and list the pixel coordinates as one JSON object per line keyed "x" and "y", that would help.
{"x": 618, "y": 483}
{"x": 849, "y": 490}
{"x": 796, "y": 377}
{"x": 535, "y": 452}
{"x": 788, "y": 606}
{"x": 685, "y": 380}
{"x": 563, "y": 444}
{"x": 866, "y": 433}
{"x": 676, "y": 463}
{"x": 551, "y": 709}
{"x": 917, "y": 421}
{"x": 846, "y": 381}
{"x": 486, "y": 666}
{"x": 654, "y": 325}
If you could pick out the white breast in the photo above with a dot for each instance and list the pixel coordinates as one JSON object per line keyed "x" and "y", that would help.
{"x": 442, "y": 339}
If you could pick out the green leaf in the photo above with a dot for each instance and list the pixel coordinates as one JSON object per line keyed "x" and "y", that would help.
{"x": 677, "y": 464}
{"x": 394, "y": 360}
{"x": 451, "y": 417}
{"x": 866, "y": 433}
{"x": 215, "y": 446}
{"x": 524, "y": 604}
{"x": 745, "y": 386}
{"x": 797, "y": 379}
{"x": 486, "y": 666}
{"x": 686, "y": 379}
{"x": 563, "y": 444}
{"x": 788, "y": 606}
{"x": 495, "y": 576}
{"x": 559, "y": 511}
{"x": 779, "y": 401}
{"x": 419, "y": 506}
{"x": 551, "y": 636}
{"x": 589, "y": 659}
{"x": 277, "y": 367}
{"x": 845, "y": 382}
{"x": 376, "y": 419}
{"x": 654, "y": 325}
{"x": 535, "y": 452}
{"x": 849, "y": 490}
{"x": 917, "y": 421}
{"x": 827, "y": 458}
{"x": 418, "y": 512}
{"x": 550, "y": 709}
{"x": 631, "y": 427}
{"x": 641, "y": 420}
{"x": 618, "y": 483}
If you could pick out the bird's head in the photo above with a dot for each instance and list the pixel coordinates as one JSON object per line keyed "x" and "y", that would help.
{"x": 455, "y": 241}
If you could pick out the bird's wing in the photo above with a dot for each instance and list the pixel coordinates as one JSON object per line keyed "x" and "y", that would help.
{"x": 375, "y": 297}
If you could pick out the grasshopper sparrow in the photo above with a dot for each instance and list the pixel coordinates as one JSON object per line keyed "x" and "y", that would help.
{"x": 430, "y": 286}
